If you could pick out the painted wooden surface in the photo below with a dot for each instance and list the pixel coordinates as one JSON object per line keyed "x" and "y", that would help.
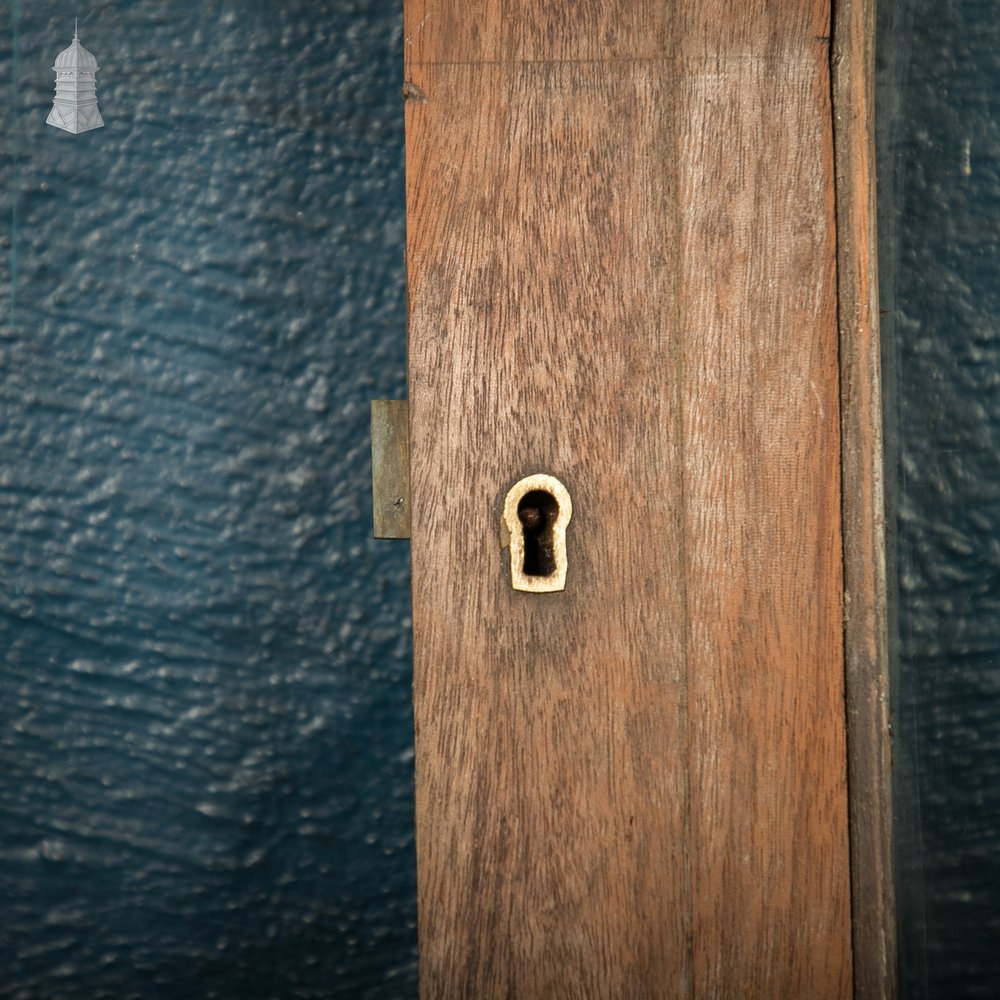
{"x": 865, "y": 626}
{"x": 621, "y": 260}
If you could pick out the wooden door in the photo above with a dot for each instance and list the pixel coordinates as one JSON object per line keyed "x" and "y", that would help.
{"x": 622, "y": 262}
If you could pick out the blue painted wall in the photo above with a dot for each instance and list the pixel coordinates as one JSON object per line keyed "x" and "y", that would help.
{"x": 938, "y": 92}
{"x": 205, "y": 731}
{"x": 205, "y": 724}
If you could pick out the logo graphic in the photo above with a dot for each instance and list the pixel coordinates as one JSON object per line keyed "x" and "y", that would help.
{"x": 75, "y": 105}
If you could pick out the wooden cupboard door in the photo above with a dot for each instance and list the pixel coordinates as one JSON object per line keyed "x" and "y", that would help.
{"x": 621, "y": 256}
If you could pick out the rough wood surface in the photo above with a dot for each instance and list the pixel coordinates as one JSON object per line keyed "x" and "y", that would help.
{"x": 865, "y": 627}
{"x": 621, "y": 263}
{"x": 761, "y": 494}
{"x": 551, "y": 751}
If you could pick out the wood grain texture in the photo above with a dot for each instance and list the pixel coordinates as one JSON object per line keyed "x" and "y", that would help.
{"x": 622, "y": 263}
{"x": 551, "y": 777}
{"x": 761, "y": 483}
{"x": 484, "y": 31}
{"x": 865, "y": 623}
{"x": 762, "y": 530}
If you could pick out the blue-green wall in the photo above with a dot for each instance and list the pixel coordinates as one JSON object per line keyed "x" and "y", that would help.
{"x": 205, "y": 731}
{"x": 938, "y": 95}
{"x": 205, "y": 724}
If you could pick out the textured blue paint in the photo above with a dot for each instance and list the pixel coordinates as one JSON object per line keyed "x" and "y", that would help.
{"x": 939, "y": 189}
{"x": 205, "y": 723}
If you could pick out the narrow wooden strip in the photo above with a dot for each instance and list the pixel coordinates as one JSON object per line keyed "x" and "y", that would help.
{"x": 390, "y": 468}
{"x": 865, "y": 628}
{"x": 770, "y": 869}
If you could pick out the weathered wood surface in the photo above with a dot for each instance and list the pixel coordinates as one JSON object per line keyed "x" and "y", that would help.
{"x": 761, "y": 493}
{"x": 621, "y": 261}
{"x": 865, "y": 626}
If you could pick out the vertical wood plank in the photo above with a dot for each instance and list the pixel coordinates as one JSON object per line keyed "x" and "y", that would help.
{"x": 865, "y": 625}
{"x": 551, "y": 745}
{"x": 761, "y": 493}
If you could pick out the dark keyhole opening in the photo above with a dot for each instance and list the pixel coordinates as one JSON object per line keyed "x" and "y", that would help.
{"x": 537, "y": 512}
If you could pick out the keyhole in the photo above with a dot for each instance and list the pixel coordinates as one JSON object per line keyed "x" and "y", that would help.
{"x": 537, "y": 513}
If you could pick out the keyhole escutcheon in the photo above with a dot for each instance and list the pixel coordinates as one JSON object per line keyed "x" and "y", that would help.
{"x": 536, "y": 512}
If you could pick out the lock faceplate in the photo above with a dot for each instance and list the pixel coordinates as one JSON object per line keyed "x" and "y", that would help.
{"x": 390, "y": 468}
{"x": 536, "y": 512}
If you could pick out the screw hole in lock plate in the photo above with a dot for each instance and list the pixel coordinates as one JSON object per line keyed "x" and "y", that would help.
{"x": 536, "y": 512}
